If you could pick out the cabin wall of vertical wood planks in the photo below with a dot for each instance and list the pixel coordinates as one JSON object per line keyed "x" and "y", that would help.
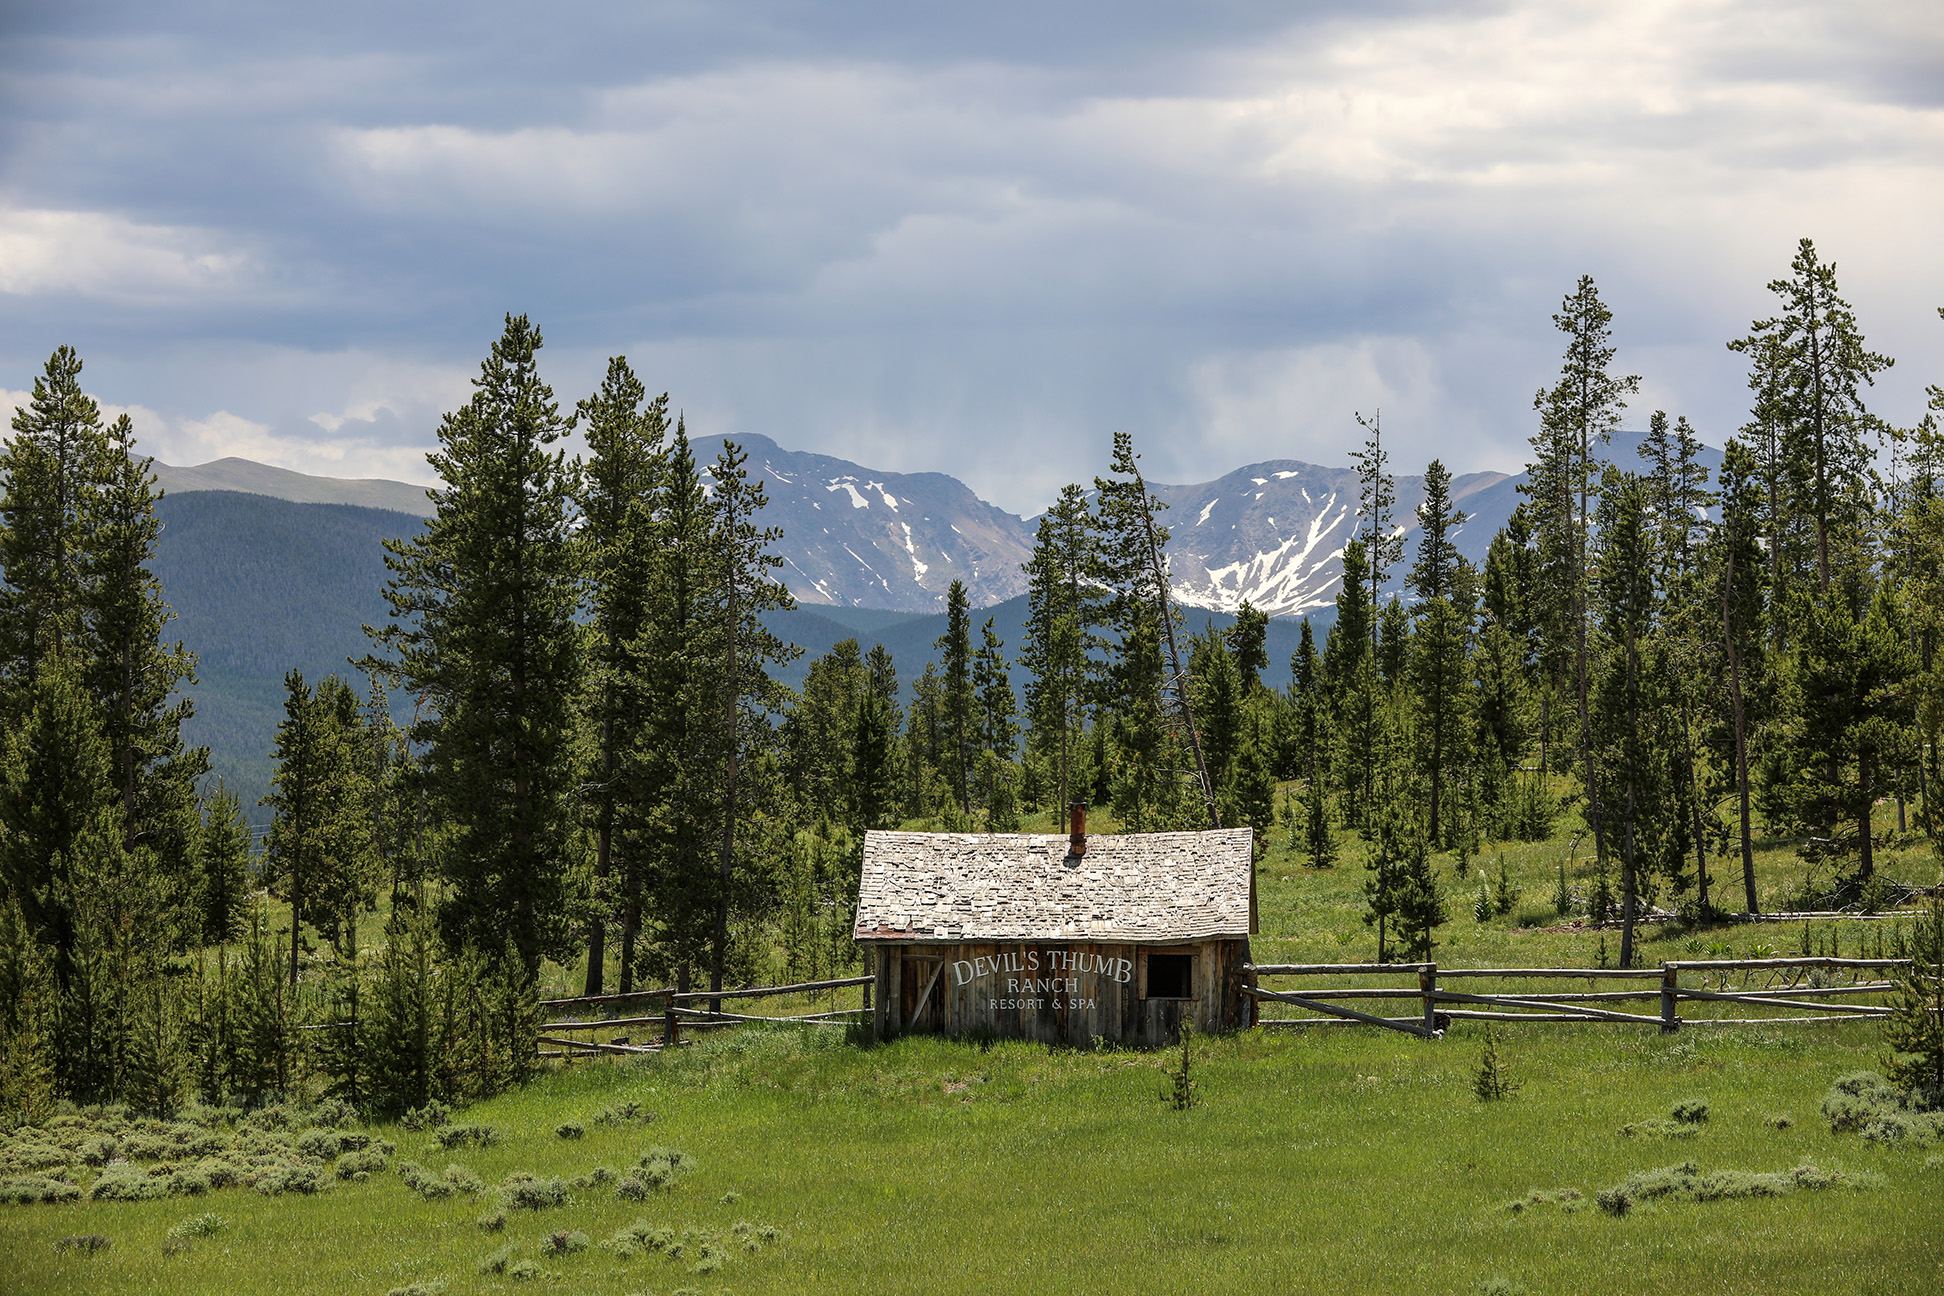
{"x": 1006, "y": 990}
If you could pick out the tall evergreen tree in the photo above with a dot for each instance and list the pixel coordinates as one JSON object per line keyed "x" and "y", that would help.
{"x": 1441, "y": 645}
{"x": 998, "y": 731}
{"x": 617, "y": 538}
{"x": 225, "y": 867}
{"x": 1145, "y": 680}
{"x": 53, "y": 467}
{"x": 483, "y": 605}
{"x": 1062, "y": 610}
{"x": 1628, "y": 688}
{"x": 1822, "y": 365}
{"x": 1578, "y": 415}
{"x": 745, "y": 591}
{"x": 1735, "y": 555}
{"x": 672, "y": 815}
{"x": 960, "y": 694}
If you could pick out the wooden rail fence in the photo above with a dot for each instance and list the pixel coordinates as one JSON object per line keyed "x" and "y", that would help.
{"x": 676, "y": 1015}
{"x": 1802, "y": 984}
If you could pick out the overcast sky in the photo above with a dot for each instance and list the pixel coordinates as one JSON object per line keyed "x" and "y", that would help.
{"x": 971, "y": 238}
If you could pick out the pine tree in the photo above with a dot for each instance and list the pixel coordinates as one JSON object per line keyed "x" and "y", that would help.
{"x": 1914, "y": 1030}
{"x": 1308, "y": 705}
{"x": 483, "y": 606}
{"x": 960, "y": 696}
{"x": 1578, "y": 415}
{"x": 319, "y": 853}
{"x": 873, "y": 801}
{"x": 1735, "y": 555}
{"x": 53, "y": 467}
{"x": 1146, "y": 683}
{"x": 1248, "y": 640}
{"x": 1062, "y": 612}
{"x": 1441, "y": 645}
{"x": 672, "y": 811}
{"x": 1350, "y": 670}
{"x": 225, "y": 843}
{"x": 1823, "y": 366}
{"x": 998, "y": 730}
{"x": 1852, "y": 737}
{"x": 135, "y": 677}
{"x": 1319, "y": 827}
{"x": 1678, "y": 495}
{"x": 617, "y": 539}
{"x": 744, "y": 592}
{"x": 1627, "y": 688}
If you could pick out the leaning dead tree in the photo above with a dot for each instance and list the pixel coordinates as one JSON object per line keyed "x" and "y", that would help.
{"x": 1141, "y": 545}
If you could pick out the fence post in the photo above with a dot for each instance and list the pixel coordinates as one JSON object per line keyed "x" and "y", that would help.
{"x": 1670, "y": 983}
{"x": 668, "y": 1025}
{"x": 1428, "y": 987}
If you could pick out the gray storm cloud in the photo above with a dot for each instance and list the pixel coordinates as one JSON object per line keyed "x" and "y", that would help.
{"x": 975, "y": 242}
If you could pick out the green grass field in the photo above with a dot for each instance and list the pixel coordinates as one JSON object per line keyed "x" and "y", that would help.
{"x": 1334, "y": 1160}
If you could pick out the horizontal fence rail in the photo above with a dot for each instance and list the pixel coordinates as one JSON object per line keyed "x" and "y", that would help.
{"x": 672, "y": 1012}
{"x": 1802, "y": 984}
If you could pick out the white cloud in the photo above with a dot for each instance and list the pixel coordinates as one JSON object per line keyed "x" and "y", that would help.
{"x": 93, "y": 254}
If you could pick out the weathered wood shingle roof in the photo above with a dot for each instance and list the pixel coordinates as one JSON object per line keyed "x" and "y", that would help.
{"x": 1024, "y": 886}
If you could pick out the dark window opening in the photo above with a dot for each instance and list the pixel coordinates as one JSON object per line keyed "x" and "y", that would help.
{"x": 1169, "y": 976}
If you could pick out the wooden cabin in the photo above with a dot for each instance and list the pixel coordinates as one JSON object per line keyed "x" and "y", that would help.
{"x": 1058, "y": 937}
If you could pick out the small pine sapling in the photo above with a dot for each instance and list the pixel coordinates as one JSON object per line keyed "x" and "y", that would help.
{"x": 1914, "y": 1030}
{"x": 1482, "y": 902}
{"x": 1490, "y": 1083}
{"x": 1562, "y": 895}
{"x": 1504, "y": 894}
{"x": 1183, "y": 1090}
{"x": 1319, "y": 831}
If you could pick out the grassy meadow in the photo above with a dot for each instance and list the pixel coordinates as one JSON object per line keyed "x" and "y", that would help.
{"x": 1332, "y": 1160}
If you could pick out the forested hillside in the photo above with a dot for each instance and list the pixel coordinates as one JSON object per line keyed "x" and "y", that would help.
{"x": 596, "y": 737}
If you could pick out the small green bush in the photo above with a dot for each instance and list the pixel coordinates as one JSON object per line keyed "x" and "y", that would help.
{"x": 569, "y": 1130}
{"x": 1658, "y": 1127}
{"x": 497, "y": 1262}
{"x": 527, "y": 1193}
{"x": 304, "y": 1179}
{"x": 657, "y": 1170}
{"x": 83, "y": 1244}
{"x": 207, "y": 1224}
{"x": 492, "y": 1221}
{"x": 431, "y": 1116}
{"x": 423, "y": 1181}
{"x": 1686, "y": 1182}
{"x": 30, "y": 1190}
{"x": 126, "y": 1183}
{"x": 454, "y": 1135}
{"x": 523, "y": 1271}
{"x": 423, "y": 1287}
{"x": 564, "y": 1242}
{"x": 355, "y": 1164}
{"x": 639, "y": 1237}
{"x": 464, "y": 1180}
{"x": 1691, "y": 1111}
{"x": 33, "y": 1156}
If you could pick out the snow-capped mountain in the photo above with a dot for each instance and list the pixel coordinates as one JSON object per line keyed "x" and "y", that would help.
{"x": 1273, "y": 533}
{"x": 857, "y": 537}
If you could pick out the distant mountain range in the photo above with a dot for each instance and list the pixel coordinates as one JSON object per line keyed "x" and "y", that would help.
{"x": 254, "y": 478}
{"x": 269, "y": 570}
{"x": 1270, "y": 533}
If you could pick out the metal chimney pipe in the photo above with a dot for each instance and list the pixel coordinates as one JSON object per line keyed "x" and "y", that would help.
{"x": 1077, "y": 828}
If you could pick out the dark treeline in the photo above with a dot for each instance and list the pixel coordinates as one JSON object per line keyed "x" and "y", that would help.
{"x": 601, "y": 772}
